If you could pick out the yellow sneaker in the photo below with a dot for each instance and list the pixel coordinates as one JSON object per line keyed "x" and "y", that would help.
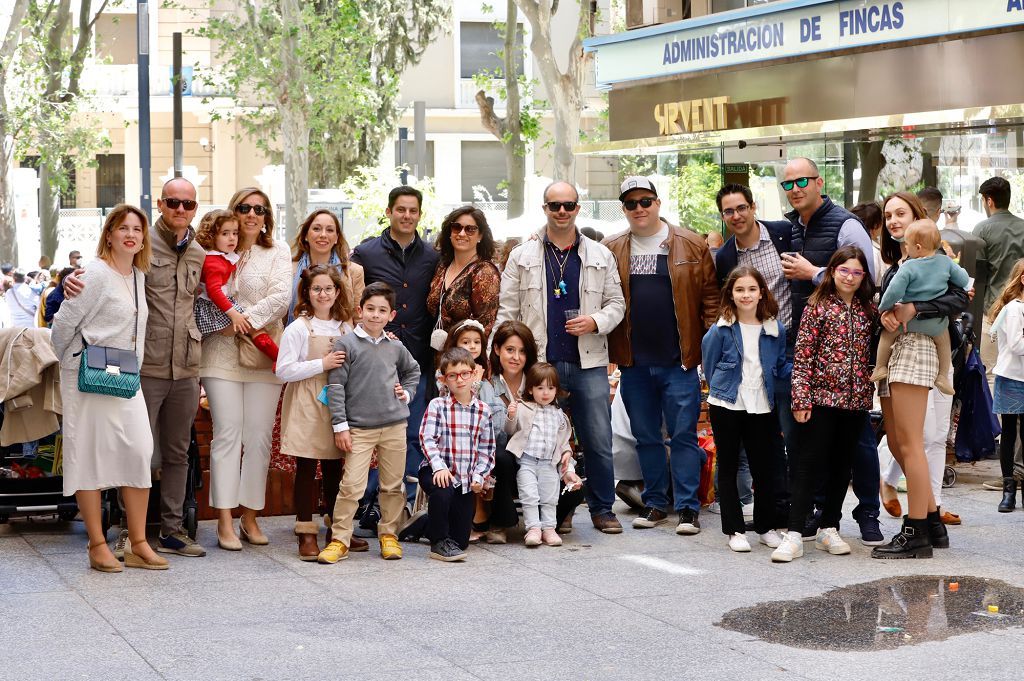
{"x": 390, "y": 549}
{"x": 332, "y": 553}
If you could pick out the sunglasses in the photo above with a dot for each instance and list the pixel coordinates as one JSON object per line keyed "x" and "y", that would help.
{"x": 847, "y": 272}
{"x": 799, "y": 182}
{"x": 173, "y": 204}
{"x": 555, "y": 206}
{"x": 460, "y": 375}
{"x": 468, "y": 230}
{"x": 631, "y": 204}
{"x": 244, "y": 209}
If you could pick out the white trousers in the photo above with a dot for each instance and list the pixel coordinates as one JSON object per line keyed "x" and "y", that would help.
{"x": 243, "y": 416}
{"x": 936, "y": 430}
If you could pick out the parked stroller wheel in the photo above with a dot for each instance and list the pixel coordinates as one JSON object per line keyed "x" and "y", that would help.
{"x": 190, "y": 521}
{"x": 948, "y": 477}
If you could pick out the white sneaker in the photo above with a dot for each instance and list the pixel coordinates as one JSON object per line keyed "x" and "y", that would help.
{"x": 738, "y": 543}
{"x": 121, "y": 544}
{"x": 716, "y": 508}
{"x": 748, "y": 513}
{"x": 790, "y": 548}
{"x": 772, "y": 539}
{"x": 828, "y": 539}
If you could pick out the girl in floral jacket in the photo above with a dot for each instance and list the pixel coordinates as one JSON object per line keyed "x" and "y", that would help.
{"x": 832, "y": 393}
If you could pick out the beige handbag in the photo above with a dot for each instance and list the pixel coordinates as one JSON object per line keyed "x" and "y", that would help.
{"x": 249, "y": 356}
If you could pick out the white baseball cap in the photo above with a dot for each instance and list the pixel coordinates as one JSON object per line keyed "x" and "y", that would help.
{"x": 636, "y": 182}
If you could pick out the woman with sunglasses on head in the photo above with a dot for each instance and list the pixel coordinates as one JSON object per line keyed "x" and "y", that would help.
{"x": 243, "y": 392}
{"x": 916, "y": 417}
{"x": 320, "y": 241}
{"x": 466, "y": 282}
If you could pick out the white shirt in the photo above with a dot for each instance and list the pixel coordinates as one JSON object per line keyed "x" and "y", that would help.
{"x": 22, "y": 302}
{"x": 656, "y": 244}
{"x": 293, "y": 349}
{"x": 751, "y": 396}
{"x": 1010, "y": 339}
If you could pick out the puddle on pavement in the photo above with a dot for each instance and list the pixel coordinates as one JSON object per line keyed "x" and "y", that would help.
{"x": 884, "y": 614}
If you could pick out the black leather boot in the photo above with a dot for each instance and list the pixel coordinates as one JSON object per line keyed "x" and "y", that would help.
{"x": 937, "y": 530}
{"x": 911, "y": 542}
{"x": 1009, "y": 501}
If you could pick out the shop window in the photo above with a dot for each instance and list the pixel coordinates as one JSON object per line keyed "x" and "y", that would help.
{"x": 726, "y": 5}
{"x": 479, "y": 47}
{"x": 109, "y": 180}
{"x": 410, "y": 156}
{"x": 116, "y": 38}
{"x": 483, "y": 165}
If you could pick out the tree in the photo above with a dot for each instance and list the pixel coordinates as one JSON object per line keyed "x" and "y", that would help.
{"x": 9, "y": 130}
{"x": 519, "y": 126}
{"x": 318, "y": 78}
{"x": 61, "y": 135}
{"x": 564, "y": 88}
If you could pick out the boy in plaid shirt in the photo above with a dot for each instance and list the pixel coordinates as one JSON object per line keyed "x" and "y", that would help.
{"x": 458, "y": 446}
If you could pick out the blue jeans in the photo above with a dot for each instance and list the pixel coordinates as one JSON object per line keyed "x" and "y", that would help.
{"x": 744, "y": 480}
{"x": 669, "y": 395}
{"x": 866, "y": 475}
{"x": 592, "y": 416}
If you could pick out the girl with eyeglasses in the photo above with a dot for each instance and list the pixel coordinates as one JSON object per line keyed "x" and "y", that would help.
{"x": 320, "y": 241}
{"x": 832, "y": 394}
{"x": 466, "y": 282}
{"x": 307, "y": 355}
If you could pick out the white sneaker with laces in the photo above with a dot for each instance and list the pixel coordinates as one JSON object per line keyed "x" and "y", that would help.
{"x": 772, "y": 539}
{"x": 716, "y": 508}
{"x": 828, "y": 539}
{"x": 738, "y": 543}
{"x": 791, "y": 547}
{"x": 121, "y": 543}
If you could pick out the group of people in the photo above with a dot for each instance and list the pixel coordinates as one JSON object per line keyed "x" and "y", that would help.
{"x": 484, "y": 382}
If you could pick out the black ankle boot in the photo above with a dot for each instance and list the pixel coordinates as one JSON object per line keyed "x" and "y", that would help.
{"x": 937, "y": 530}
{"x": 1009, "y": 501}
{"x": 911, "y": 542}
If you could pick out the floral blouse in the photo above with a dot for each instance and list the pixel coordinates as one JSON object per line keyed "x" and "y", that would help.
{"x": 473, "y": 295}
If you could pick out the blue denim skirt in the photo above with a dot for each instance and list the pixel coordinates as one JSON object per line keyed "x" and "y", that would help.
{"x": 1009, "y": 396}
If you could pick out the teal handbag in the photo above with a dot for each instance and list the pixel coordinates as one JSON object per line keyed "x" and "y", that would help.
{"x": 111, "y": 371}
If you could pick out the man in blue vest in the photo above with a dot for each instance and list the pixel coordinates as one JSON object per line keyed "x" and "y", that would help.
{"x": 820, "y": 228}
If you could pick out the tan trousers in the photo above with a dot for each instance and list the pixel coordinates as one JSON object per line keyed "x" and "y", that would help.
{"x": 390, "y": 444}
{"x": 989, "y": 352}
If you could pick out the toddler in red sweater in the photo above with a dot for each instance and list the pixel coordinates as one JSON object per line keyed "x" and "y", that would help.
{"x": 214, "y": 309}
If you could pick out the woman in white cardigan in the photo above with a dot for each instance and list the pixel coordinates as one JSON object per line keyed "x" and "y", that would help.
{"x": 107, "y": 440}
{"x": 243, "y": 401}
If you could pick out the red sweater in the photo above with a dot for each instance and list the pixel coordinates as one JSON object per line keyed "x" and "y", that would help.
{"x": 216, "y": 272}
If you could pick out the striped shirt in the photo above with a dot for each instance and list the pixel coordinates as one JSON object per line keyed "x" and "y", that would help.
{"x": 459, "y": 438}
{"x": 764, "y": 258}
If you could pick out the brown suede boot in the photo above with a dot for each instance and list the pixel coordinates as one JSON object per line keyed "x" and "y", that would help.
{"x": 306, "y": 532}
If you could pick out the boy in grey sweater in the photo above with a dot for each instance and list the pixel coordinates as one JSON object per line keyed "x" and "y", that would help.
{"x": 368, "y": 397}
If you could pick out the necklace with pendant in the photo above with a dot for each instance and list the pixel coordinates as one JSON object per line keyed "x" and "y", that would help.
{"x": 559, "y": 264}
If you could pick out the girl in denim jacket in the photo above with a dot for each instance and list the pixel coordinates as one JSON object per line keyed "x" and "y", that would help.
{"x": 744, "y": 353}
{"x": 832, "y": 393}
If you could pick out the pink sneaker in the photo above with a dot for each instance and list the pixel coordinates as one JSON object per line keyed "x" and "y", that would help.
{"x": 533, "y": 537}
{"x": 551, "y": 538}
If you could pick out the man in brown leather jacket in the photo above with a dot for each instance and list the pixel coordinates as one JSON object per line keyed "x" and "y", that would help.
{"x": 668, "y": 279}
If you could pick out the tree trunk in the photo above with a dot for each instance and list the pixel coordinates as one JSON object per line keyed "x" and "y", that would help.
{"x": 294, "y": 122}
{"x": 871, "y": 164}
{"x": 8, "y": 231}
{"x": 49, "y": 211}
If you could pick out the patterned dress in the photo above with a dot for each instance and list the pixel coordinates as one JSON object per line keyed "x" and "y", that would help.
{"x": 472, "y": 295}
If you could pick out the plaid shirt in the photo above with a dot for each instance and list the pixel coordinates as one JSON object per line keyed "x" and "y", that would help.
{"x": 459, "y": 438}
{"x": 543, "y": 438}
{"x": 765, "y": 259}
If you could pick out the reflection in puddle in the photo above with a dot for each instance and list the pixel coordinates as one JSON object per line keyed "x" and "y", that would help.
{"x": 886, "y": 613}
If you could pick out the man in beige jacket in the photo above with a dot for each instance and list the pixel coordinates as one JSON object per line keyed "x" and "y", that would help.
{"x": 170, "y": 368}
{"x": 566, "y": 288}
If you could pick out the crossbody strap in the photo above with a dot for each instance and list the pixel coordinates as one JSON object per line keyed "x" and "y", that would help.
{"x": 135, "y": 338}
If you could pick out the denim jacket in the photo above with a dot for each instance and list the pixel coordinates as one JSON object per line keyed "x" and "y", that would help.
{"x": 722, "y": 350}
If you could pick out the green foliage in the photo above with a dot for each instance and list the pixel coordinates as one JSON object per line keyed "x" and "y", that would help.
{"x": 693, "y": 188}
{"x": 368, "y": 187}
{"x": 630, "y": 166}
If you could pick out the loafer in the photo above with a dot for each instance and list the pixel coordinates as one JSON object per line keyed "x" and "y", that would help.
{"x": 950, "y": 518}
{"x": 357, "y": 545}
{"x": 607, "y": 523}
{"x": 630, "y": 492}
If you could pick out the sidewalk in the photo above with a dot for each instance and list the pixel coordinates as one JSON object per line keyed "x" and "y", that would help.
{"x": 641, "y": 605}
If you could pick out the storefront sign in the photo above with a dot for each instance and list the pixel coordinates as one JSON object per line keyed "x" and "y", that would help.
{"x": 716, "y": 113}
{"x": 789, "y": 29}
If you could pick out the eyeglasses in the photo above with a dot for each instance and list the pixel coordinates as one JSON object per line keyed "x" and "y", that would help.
{"x": 850, "y": 274}
{"x": 799, "y": 182}
{"x": 173, "y": 204}
{"x": 468, "y": 230}
{"x": 244, "y": 209}
{"x": 460, "y": 375}
{"x": 631, "y": 204}
{"x": 317, "y": 290}
{"x": 738, "y": 210}
{"x": 555, "y": 206}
